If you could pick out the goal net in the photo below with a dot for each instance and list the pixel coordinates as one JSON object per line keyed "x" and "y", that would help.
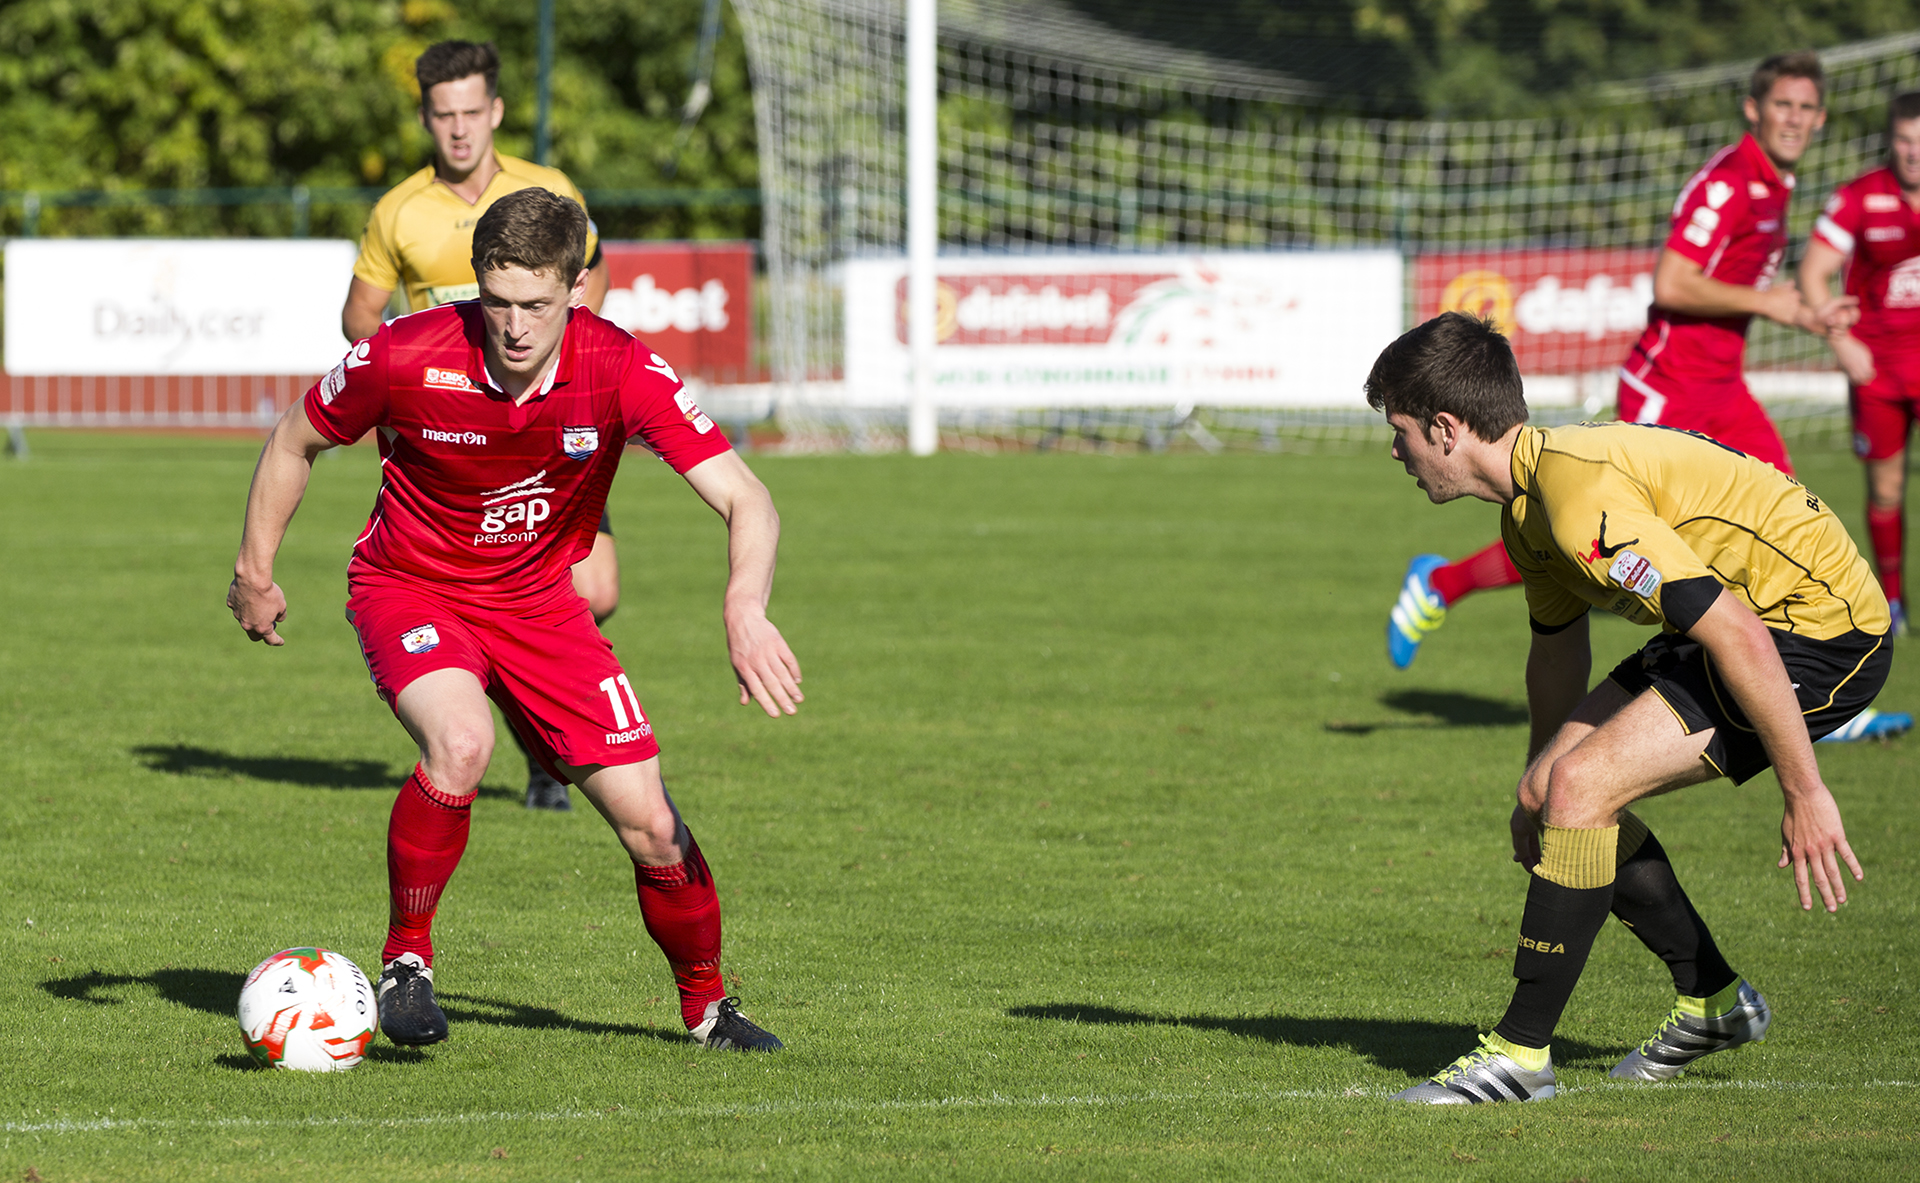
{"x": 1091, "y": 180}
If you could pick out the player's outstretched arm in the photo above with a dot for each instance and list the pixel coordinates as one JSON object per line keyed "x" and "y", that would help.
{"x": 768, "y": 672}
{"x": 1682, "y": 285}
{"x": 279, "y": 481}
{"x": 1812, "y": 839}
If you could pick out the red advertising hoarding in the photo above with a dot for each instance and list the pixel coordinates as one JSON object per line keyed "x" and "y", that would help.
{"x": 1567, "y": 311}
{"x": 691, "y": 301}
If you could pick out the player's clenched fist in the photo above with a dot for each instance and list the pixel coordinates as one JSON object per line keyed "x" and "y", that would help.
{"x": 258, "y": 611}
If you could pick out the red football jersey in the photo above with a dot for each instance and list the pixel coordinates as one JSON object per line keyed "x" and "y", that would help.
{"x": 1870, "y": 220}
{"x": 1732, "y": 220}
{"x": 494, "y": 500}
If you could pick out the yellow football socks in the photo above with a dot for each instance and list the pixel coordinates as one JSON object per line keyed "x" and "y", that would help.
{"x": 1533, "y": 1059}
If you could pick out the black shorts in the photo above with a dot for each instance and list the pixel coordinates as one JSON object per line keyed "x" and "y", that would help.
{"x": 606, "y": 524}
{"x": 1834, "y": 680}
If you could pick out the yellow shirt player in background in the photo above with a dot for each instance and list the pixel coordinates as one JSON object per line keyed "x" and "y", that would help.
{"x": 421, "y": 236}
{"x": 1774, "y": 632}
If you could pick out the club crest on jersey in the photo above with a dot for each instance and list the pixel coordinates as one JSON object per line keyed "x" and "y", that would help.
{"x": 440, "y": 379}
{"x": 420, "y": 639}
{"x": 1634, "y": 573}
{"x": 579, "y": 442}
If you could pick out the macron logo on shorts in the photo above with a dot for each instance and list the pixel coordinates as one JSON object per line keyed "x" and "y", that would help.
{"x": 420, "y": 639}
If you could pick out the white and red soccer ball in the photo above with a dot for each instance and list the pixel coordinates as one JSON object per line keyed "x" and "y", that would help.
{"x": 308, "y": 1009}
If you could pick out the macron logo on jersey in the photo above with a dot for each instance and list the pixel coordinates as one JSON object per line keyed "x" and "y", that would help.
{"x": 452, "y": 437}
{"x": 1717, "y": 193}
{"x": 440, "y": 379}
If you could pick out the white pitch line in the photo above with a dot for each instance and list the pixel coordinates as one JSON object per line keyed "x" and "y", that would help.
{"x": 853, "y": 1105}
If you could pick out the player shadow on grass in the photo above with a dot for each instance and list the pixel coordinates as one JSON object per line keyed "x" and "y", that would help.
{"x": 215, "y": 991}
{"x": 1413, "y": 1046}
{"x": 1423, "y": 709}
{"x": 186, "y": 760}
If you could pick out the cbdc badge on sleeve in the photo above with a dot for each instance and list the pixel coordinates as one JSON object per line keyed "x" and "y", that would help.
{"x": 420, "y": 639}
{"x": 579, "y": 442}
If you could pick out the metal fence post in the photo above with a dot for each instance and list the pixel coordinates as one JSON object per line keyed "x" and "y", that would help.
{"x": 29, "y": 214}
{"x": 302, "y": 210}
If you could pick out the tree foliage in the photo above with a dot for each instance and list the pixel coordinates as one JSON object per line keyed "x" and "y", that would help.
{"x": 1494, "y": 58}
{"x": 164, "y": 94}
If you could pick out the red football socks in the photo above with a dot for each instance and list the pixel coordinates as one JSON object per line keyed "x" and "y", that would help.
{"x": 1481, "y": 571}
{"x": 682, "y": 913}
{"x": 426, "y": 836}
{"x": 1887, "y": 529}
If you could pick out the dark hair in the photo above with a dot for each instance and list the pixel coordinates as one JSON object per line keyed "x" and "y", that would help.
{"x": 450, "y": 61}
{"x": 535, "y": 229}
{"x": 1900, "y": 108}
{"x": 1801, "y": 63}
{"x": 1455, "y": 363}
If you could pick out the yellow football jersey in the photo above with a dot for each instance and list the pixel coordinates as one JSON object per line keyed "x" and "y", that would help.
{"x": 1611, "y": 515}
{"x": 421, "y": 233}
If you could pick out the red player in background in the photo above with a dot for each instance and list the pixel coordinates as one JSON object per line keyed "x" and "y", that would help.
{"x": 1715, "y": 274}
{"x": 501, "y": 424}
{"x": 1871, "y": 227}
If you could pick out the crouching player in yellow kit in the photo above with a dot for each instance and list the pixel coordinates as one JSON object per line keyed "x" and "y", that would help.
{"x": 1773, "y": 633}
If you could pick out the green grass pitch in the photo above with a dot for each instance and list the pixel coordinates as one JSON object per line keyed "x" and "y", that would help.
{"x": 1106, "y": 845}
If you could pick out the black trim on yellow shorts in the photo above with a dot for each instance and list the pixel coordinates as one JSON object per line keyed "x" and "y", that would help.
{"x": 1834, "y": 681}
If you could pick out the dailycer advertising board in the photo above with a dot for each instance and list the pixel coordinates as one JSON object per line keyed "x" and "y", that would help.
{"x": 107, "y": 306}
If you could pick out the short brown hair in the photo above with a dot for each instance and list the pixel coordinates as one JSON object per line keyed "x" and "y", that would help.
{"x": 534, "y": 229}
{"x": 1801, "y": 63}
{"x": 1455, "y": 363}
{"x": 450, "y": 61}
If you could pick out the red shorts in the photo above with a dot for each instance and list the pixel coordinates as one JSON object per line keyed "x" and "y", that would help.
{"x": 1884, "y": 409}
{"x": 546, "y": 665}
{"x": 1724, "y": 412}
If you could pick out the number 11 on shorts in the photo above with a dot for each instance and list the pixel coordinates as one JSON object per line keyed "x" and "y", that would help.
{"x": 613, "y": 687}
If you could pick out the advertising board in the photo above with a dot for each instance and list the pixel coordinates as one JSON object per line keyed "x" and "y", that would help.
{"x": 691, "y": 301}
{"x": 1567, "y": 311}
{"x": 175, "y": 306}
{"x": 1297, "y": 328}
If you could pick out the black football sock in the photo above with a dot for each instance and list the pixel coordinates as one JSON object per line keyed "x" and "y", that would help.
{"x": 1567, "y": 904}
{"x": 1648, "y": 899}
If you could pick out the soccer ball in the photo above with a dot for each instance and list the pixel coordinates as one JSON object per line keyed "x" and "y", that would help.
{"x": 309, "y": 1009}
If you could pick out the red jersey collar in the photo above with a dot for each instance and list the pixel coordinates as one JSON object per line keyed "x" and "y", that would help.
{"x": 1763, "y": 163}
{"x": 558, "y": 374}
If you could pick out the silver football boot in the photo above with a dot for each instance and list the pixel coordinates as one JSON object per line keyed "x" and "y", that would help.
{"x": 1684, "y": 1038}
{"x": 1481, "y": 1075}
